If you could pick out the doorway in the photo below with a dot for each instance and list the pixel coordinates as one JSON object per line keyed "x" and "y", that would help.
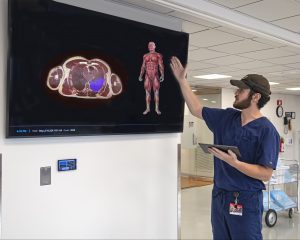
{"x": 197, "y": 166}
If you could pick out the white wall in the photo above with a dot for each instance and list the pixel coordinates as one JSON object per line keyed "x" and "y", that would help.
{"x": 125, "y": 186}
{"x": 291, "y": 103}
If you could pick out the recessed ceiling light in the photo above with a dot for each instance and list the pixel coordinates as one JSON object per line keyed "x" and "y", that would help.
{"x": 293, "y": 89}
{"x": 194, "y": 90}
{"x": 273, "y": 83}
{"x": 213, "y": 101}
{"x": 212, "y": 76}
{"x": 204, "y": 99}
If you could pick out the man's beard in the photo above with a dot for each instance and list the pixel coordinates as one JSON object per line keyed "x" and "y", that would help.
{"x": 243, "y": 104}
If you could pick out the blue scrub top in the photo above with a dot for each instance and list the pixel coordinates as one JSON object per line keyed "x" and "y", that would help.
{"x": 258, "y": 142}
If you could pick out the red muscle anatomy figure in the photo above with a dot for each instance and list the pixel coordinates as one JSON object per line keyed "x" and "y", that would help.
{"x": 151, "y": 67}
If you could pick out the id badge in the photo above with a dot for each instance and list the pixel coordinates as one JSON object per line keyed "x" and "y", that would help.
{"x": 236, "y": 209}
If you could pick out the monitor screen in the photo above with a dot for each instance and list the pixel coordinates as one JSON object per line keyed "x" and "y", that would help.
{"x": 73, "y": 71}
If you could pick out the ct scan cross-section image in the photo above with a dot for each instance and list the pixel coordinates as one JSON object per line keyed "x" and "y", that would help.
{"x": 83, "y": 78}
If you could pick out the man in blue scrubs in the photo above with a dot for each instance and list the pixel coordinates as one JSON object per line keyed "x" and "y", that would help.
{"x": 237, "y": 199}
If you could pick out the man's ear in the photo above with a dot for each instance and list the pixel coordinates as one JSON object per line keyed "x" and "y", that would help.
{"x": 256, "y": 97}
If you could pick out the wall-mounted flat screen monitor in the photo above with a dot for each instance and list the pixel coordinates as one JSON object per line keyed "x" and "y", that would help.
{"x": 73, "y": 71}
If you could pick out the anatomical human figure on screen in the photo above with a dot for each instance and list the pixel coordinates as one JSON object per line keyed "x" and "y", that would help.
{"x": 83, "y": 78}
{"x": 153, "y": 71}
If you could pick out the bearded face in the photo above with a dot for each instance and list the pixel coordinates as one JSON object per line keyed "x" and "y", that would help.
{"x": 245, "y": 103}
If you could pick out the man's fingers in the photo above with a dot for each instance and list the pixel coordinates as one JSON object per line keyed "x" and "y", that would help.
{"x": 176, "y": 62}
{"x": 185, "y": 71}
{"x": 172, "y": 66}
{"x": 172, "y": 63}
{"x": 212, "y": 150}
{"x": 231, "y": 153}
{"x": 217, "y": 152}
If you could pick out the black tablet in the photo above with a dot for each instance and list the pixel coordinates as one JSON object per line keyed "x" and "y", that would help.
{"x": 223, "y": 148}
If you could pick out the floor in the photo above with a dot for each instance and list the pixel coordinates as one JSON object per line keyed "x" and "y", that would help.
{"x": 195, "y": 217}
{"x": 188, "y": 181}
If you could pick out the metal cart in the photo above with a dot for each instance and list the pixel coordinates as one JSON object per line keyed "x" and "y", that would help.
{"x": 281, "y": 192}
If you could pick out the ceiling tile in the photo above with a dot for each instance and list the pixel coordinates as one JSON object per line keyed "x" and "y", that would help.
{"x": 268, "y": 42}
{"x": 221, "y": 83}
{"x": 219, "y": 70}
{"x": 293, "y": 71}
{"x": 286, "y": 60}
{"x": 270, "y": 10}
{"x": 228, "y": 60}
{"x": 240, "y": 47}
{"x": 291, "y": 23}
{"x": 267, "y": 54}
{"x": 211, "y": 38}
{"x": 190, "y": 27}
{"x": 192, "y": 48}
{"x": 295, "y": 65}
{"x": 238, "y": 74}
{"x": 202, "y": 53}
{"x": 292, "y": 84}
{"x": 193, "y": 19}
{"x": 233, "y": 3}
{"x": 252, "y": 65}
{"x": 235, "y": 32}
{"x": 287, "y": 76}
{"x": 144, "y": 4}
{"x": 199, "y": 65}
{"x": 281, "y": 80}
{"x": 272, "y": 78}
{"x": 295, "y": 50}
{"x": 272, "y": 69}
{"x": 210, "y": 82}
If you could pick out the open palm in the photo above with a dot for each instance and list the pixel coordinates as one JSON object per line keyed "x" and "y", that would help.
{"x": 178, "y": 70}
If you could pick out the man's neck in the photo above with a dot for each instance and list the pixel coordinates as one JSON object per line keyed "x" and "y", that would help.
{"x": 249, "y": 114}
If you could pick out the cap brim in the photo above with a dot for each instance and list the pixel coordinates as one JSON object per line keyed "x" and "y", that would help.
{"x": 238, "y": 83}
